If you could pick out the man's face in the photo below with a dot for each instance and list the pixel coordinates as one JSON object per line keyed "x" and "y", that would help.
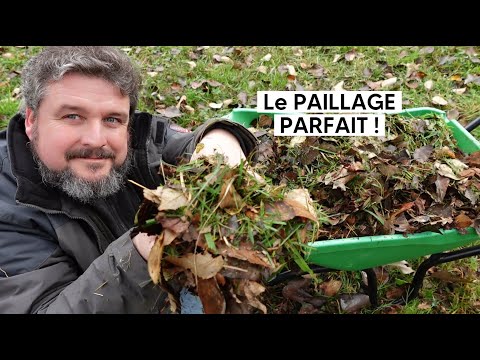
{"x": 81, "y": 128}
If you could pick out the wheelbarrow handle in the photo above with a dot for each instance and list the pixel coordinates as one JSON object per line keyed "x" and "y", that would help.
{"x": 472, "y": 124}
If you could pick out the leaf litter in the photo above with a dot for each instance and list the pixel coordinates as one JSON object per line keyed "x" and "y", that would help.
{"x": 224, "y": 232}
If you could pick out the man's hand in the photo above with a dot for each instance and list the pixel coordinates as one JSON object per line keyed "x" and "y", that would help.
{"x": 223, "y": 142}
{"x": 144, "y": 243}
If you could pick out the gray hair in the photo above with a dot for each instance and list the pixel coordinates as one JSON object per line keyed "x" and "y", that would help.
{"x": 108, "y": 63}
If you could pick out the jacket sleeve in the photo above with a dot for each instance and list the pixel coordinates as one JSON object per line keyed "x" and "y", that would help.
{"x": 116, "y": 282}
{"x": 178, "y": 145}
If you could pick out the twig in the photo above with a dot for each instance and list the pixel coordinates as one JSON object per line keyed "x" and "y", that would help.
{"x": 100, "y": 286}
{"x": 135, "y": 183}
{"x": 234, "y": 268}
{"x": 188, "y": 195}
{"x": 163, "y": 173}
{"x": 6, "y": 275}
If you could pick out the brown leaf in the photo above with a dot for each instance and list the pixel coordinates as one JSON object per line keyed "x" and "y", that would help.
{"x": 295, "y": 290}
{"x": 462, "y": 221}
{"x": 441, "y": 185}
{"x": 374, "y": 85}
{"x": 388, "y": 170}
{"x": 472, "y": 79}
{"x": 426, "y": 50}
{"x": 279, "y": 210}
{"x": 453, "y": 114}
{"x": 412, "y": 84}
{"x": 265, "y": 121}
{"x": 422, "y": 154}
{"x": 424, "y": 306}
{"x": 242, "y": 97}
{"x": 445, "y": 170}
{"x": 167, "y": 198}
{"x": 239, "y": 269}
{"x": 395, "y": 293}
{"x": 331, "y": 288}
{"x": 230, "y": 200}
{"x": 353, "y": 303}
{"x": 170, "y": 112}
{"x": 177, "y": 225}
{"x": 155, "y": 259}
{"x": 301, "y": 203}
{"x": 447, "y": 277}
{"x": 211, "y": 296}
{"x": 204, "y": 265}
{"x": 252, "y": 290}
{"x": 473, "y": 159}
{"x": 350, "y": 56}
{"x": 317, "y": 71}
{"x": 252, "y": 256}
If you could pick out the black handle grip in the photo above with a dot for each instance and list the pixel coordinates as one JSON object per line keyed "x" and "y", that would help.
{"x": 472, "y": 125}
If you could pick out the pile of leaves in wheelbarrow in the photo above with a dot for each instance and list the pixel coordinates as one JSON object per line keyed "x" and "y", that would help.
{"x": 224, "y": 232}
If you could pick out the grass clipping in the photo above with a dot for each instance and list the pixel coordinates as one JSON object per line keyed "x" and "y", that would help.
{"x": 223, "y": 232}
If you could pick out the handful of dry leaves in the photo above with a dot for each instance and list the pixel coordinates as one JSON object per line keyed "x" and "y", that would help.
{"x": 222, "y": 233}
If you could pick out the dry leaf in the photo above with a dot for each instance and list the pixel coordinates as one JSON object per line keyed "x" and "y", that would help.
{"x": 252, "y": 256}
{"x": 155, "y": 259}
{"x": 350, "y": 56}
{"x": 331, "y": 288}
{"x": 213, "y": 301}
{"x": 170, "y": 112}
{"x": 428, "y": 84}
{"x": 291, "y": 70}
{"x": 301, "y": 203}
{"x": 262, "y": 69}
{"x": 339, "y": 86}
{"x": 166, "y": 198}
{"x": 457, "y": 78}
{"x": 266, "y": 57}
{"x": 388, "y": 82}
{"x": 438, "y": 100}
{"x": 215, "y": 105}
{"x": 252, "y": 290}
{"x": 230, "y": 200}
{"x": 226, "y": 59}
{"x": 402, "y": 266}
{"x": 204, "y": 265}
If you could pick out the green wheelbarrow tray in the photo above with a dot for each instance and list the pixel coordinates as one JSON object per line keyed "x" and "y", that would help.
{"x": 360, "y": 253}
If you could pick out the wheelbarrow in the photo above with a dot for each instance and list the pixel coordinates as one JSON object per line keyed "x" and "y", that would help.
{"x": 365, "y": 253}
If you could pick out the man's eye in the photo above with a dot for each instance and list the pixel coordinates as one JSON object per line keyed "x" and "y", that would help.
{"x": 72, "y": 116}
{"x": 112, "y": 120}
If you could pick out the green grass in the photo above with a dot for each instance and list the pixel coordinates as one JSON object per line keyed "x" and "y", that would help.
{"x": 241, "y": 76}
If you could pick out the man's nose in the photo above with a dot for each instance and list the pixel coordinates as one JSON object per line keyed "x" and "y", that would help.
{"x": 94, "y": 133}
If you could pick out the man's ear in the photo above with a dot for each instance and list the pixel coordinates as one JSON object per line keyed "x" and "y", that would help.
{"x": 29, "y": 122}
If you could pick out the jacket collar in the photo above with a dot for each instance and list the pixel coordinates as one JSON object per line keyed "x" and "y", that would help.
{"x": 30, "y": 188}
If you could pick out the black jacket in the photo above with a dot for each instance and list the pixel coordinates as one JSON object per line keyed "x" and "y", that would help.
{"x": 60, "y": 256}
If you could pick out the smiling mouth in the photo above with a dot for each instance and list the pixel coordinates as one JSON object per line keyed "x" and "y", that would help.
{"x": 93, "y": 159}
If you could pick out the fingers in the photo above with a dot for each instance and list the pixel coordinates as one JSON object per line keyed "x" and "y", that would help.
{"x": 144, "y": 243}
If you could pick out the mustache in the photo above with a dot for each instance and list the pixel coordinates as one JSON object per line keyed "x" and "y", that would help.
{"x": 98, "y": 153}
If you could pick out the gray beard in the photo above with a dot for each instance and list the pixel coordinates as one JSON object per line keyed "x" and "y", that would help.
{"x": 83, "y": 190}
